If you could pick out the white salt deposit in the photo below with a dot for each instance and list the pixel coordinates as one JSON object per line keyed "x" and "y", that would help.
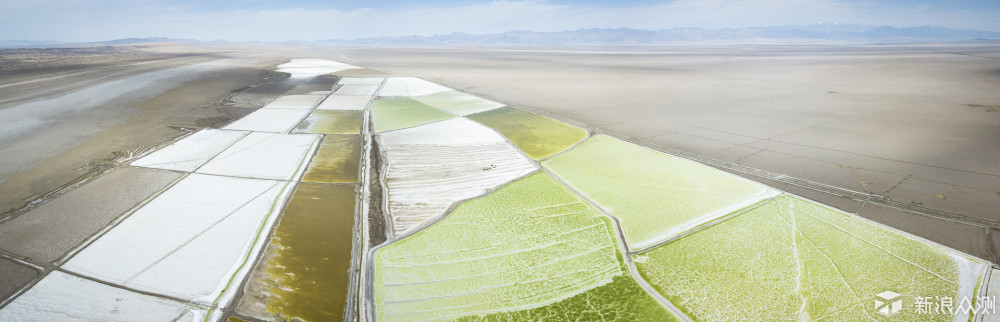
{"x": 356, "y": 90}
{"x": 189, "y": 241}
{"x": 410, "y": 86}
{"x": 360, "y": 81}
{"x": 269, "y": 120}
{"x": 430, "y": 167}
{"x": 295, "y": 102}
{"x": 191, "y": 152}
{"x": 344, "y": 102}
{"x": 264, "y": 156}
{"x": 63, "y": 297}
{"x": 312, "y": 67}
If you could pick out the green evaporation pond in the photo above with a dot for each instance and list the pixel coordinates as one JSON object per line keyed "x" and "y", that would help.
{"x": 655, "y": 195}
{"x": 401, "y": 112}
{"x": 331, "y": 122}
{"x": 310, "y": 254}
{"x": 458, "y": 103}
{"x": 621, "y": 300}
{"x": 536, "y": 135}
{"x": 530, "y": 248}
{"x": 336, "y": 161}
{"x": 791, "y": 259}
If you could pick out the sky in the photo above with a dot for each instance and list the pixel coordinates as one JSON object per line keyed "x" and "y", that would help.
{"x": 253, "y": 20}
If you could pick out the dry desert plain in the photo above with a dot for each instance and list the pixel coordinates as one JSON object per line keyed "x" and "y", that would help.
{"x": 906, "y": 135}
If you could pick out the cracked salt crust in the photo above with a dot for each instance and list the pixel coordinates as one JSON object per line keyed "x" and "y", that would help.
{"x": 410, "y": 86}
{"x": 190, "y": 152}
{"x": 344, "y": 102}
{"x": 269, "y": 120}
{"x": 312, "y": 67}
{"x": 264, "y": 156}
{"x": 63, "y": 297}
{"x": 430, "y": 167}
{"x": 188, "y": 241}
{"x": 295, "y": 102}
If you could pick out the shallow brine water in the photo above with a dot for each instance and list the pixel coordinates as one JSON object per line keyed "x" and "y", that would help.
{"x": 336, "y": 161}
{"x": 331, "y": 122}
{"x": 310, "y": 254}
{"x": 537, "y": 135}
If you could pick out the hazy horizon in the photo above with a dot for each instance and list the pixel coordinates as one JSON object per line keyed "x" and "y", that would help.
{"x": 100, "y": 20}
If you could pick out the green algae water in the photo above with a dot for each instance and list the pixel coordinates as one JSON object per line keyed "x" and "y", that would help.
{"x": 310, "y": 254}
{"x": 401, "y": 112}
{"x": 332, "y": 122}
{"x": 457, "y": 103}
{"x": 336, "y": 161}
{"x": 621, "y": 300}
{"x": 536, "y": 135}
{"x": 792, "y": 259}
{"x": 655, "y": 195}
{"x": 519, "y": 249}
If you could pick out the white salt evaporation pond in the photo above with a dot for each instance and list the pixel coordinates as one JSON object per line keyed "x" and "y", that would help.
{"x": 296, "y": 102}
{"x": 63, "y": 297}
{"x": 458, "y": 103}
{"x": 312, "y": 67}
{"x": 269, "y": 120}
{"x": 264, "y": 156}
{"x": 410, "y": 86}
{"x": 190, "y": 241}
{"x": 356, "y": 90}
{"x": 345, "y": 102}
{"x": 192, "y": 151}
{"x": 430, "y": 167}
{"x": 360, "y": 81}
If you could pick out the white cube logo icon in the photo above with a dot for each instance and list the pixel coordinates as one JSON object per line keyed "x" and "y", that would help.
{"x": 888, "y": 303}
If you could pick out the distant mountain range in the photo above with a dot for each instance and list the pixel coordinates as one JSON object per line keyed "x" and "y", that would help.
{"x": 841, "y": 32}
{"x": 621, "y": 36}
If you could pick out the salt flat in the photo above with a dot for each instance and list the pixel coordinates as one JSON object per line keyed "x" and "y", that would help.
{"x": 47, "y": 233}
{"x": 60, "y": 124}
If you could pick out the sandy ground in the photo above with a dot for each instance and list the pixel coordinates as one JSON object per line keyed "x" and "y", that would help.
{"x": 916, "y": 125}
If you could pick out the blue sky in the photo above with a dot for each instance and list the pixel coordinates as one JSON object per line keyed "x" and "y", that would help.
{"x": 92, "y": 20}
